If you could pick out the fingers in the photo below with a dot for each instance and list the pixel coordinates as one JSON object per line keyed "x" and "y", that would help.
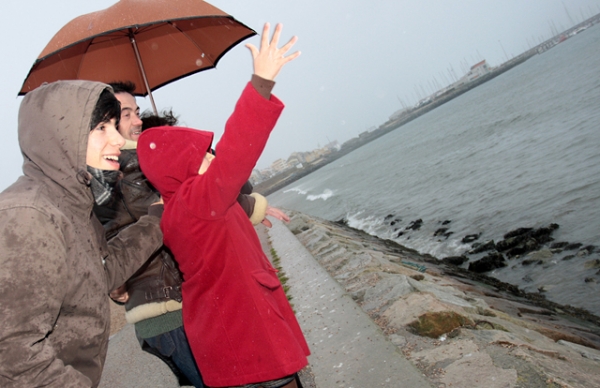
{"x": 277, "y": 213}
{"x": 253, "y": 49}
{"x": 266, "y": 223}
{"x": 264, "y": 39}
{"x": 289, "y": 45}
{"x": 269, "y": 59}
{"x": 275, "y": 39}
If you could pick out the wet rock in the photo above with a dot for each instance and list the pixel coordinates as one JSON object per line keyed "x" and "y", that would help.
{"x": 528, "y": 245}
{"x": 470, "y": 238}
{"x": 542, "y": 254}
{"x": 443, "y": 232}
{"x": 446, "y": 222}
{"x": 559, "y": 245}
{"x": 415, "y": 225}
{"x": 545, "y": 288}
{"x": 572, "y": 247}
{"x": 440, "y": 231}
{"x": 531, "y": 261}
{"x": 517, "y": 232}
{"x": 455, "y": 260}
{"x": 568, "y": 257}
{"x": 589, "y": 280}
{"x": 509, "y": 243}
{"x": 478, "y": 248}
{"x": 527, "y": 279}
{"x": 542, "y": 235}
{"x": 585, "y": 251}
{"x": 342, "y": 221}
{"x": 592, "y": 264}
{"x": 523, "y": 240}
{"x": 488, "y": 263}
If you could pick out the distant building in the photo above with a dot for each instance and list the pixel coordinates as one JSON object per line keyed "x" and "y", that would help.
{"x": 258, "y": 176}
{"x": 296, "y": 158}
{"x": 477, "y": 70}
{"x": 423, "y": 102}
{"x": 278, "y": 166}
{"x": 333, "y": 146}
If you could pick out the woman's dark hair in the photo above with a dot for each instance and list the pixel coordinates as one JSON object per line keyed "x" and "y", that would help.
{"x": 150, "y": 120}
{"x": 107, "y": 108}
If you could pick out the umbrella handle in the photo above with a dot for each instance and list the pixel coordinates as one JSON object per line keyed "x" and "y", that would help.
{"x": 141, "y": 66}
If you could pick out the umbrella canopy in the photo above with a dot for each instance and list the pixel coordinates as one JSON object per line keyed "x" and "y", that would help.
{"x": 149, "y": 42}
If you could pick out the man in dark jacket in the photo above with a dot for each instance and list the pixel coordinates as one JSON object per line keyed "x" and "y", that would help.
{"x": 57, "y": 267}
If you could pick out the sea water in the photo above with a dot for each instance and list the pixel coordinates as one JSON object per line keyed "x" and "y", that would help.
{"x": 522, "y": 150}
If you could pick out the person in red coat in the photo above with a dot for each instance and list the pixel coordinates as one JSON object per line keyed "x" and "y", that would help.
{"x": 239, "y": 323}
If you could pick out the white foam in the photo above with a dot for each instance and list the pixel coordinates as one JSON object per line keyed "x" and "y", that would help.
{"x": 296, "y": 190}
{"x": 325, "y": 195}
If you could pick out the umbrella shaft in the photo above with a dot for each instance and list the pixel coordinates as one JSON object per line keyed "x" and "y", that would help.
{"x": 141, "y": 66}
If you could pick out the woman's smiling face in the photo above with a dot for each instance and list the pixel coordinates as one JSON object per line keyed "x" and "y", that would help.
{"x": 104, "y": 146}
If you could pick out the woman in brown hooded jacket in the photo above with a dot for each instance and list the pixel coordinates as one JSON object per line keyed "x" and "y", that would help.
{"x": 56, "y": 268}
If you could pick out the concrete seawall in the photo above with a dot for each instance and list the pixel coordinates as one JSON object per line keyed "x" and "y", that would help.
{"x": 458, "y": 332}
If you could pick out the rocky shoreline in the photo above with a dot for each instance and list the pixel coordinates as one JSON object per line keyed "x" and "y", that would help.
{"x": 459, "y": 327}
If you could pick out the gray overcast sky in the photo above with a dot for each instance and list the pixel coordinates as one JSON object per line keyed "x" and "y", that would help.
{"x": 358, "y": 59}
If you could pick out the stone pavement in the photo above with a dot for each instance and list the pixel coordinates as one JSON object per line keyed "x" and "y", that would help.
{"x": 348, "y": 349}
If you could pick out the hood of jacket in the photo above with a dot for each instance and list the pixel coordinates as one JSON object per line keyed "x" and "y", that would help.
{"x": 54, "y": 125}
{"x": 168, "y": 156}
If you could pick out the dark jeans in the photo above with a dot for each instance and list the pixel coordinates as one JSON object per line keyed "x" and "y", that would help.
{"x": 173, "y": 348}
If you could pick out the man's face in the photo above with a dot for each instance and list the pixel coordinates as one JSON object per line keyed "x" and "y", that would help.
{"x": 130, "y": 126}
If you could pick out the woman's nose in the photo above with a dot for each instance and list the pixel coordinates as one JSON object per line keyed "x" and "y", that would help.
{"x": 116, "y": 139}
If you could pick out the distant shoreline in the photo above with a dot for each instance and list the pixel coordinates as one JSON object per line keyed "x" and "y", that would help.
{"x": 285, "y": 178}
{"x": 288, "y": 177}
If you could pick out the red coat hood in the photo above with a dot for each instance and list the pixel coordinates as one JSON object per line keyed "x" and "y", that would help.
{"x": 168, "y": 156}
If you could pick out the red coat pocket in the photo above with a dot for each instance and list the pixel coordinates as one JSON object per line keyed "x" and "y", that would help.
{"x": 269, "y": 285}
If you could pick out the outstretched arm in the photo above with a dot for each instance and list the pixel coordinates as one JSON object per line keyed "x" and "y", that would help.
{"x": 246, "y": 131}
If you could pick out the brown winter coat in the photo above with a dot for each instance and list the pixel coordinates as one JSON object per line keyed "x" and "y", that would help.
{"x": 56, "y": 267}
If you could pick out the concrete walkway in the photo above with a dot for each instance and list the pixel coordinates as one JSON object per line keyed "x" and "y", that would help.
{"x": 348, "y": 348}
{"x": 128, "y": 366}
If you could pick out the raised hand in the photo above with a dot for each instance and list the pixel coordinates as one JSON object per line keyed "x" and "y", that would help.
{"x": 269, "y": 60}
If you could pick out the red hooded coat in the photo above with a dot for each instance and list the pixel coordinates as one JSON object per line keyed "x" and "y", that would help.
{"x": 239, "y": 323}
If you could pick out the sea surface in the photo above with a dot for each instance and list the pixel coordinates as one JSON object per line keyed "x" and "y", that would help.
{"x": 522, "y": 150}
